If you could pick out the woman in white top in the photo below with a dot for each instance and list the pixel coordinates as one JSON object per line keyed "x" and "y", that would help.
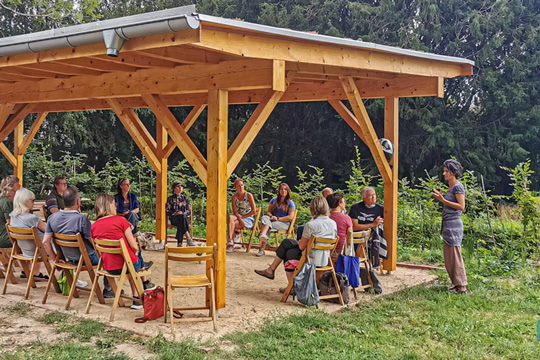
{"x": 22, "y": 217}
{"x": 243, "y": 208}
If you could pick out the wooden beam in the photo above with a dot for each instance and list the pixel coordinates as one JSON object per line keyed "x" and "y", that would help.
{"x": 18, "y": 138}
{"x": 15, "y": 119}
{"x": 133, "y": 124}
{"x": 5, "y": 111}
{"x": 234, "y": 75}
{"x": 278, "y": 79}
{"x": 32, "y": 132}
{"x": 186, "y": 54}
{"x": 96, "y": 64}
{"x": 138, "y": 60}
{"x": 266, "y": 47}
{"x": 54, "y": 69}
{"x": 25, "y": 74}
{"x": 305, "y": 68}
{"x": 251, "y": 129}
{"x": 216, "y": 206}
{"x": 161, "y": 184}
{"x": 179, "y": 135}
{"x": 188, "y": 122}
{"x": 15, "y": 78}
{"x": 346, "y": 114}
{"x": 140, "y": 43}
{"x": 8, "y": 154}
{"x": 365, "y": 127}
{"x": 391, "y": 132}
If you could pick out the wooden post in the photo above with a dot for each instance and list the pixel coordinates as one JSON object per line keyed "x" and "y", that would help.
{"x": 216, "y": 210}
{"x": 391, "y": 132}
{"x": 161, "y": 183}
{"x": 18, "y": 140}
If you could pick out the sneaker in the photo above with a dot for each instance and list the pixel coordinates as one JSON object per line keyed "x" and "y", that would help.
{"x": 109, "y": 294}
{"x": 148, "y": 264}
{"x": 238, "y": 238}
{"x": 260, "y": 253}
{"x": 230, "y": 249}
{"x": 81, "y": 283}
{"x": 147, "y": 285}
{"x": 137, "y": 305}
{"x": 190, "y": 242}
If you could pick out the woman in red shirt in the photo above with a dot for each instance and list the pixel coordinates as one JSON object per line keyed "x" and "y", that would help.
{"x": 111, "y": 226}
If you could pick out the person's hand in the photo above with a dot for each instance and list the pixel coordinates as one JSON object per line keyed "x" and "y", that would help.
{"x": 178, "y": 213}
{"x": 273, "y": 218}
{"x": 378, "y": 221}
{"x": 437, "y": 195}
{"x": 125, "y": 212}
{"x": 241, "y": 222}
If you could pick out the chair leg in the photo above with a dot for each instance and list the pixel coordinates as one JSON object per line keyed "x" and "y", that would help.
{"x": 9, "y": 272}
{"x": 213, "y": 299}
{"x": 251, "y": 239}
{"x": 92, "y": 293}
{"x": 114, "y": 288}
{"x": 117, "y": 294}
{"x": 338, "y": 289}
{"x": 73, "y": 291}
{"x": 31, "y": 282}
{"x": 49, "y": 283}
{"x": 291, "y": 282}
{"x": 4, "y": 259}
{"x": 171, "y": 307}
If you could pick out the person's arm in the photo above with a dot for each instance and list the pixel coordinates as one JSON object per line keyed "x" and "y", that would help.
{"x": 302, "y": 244}
{"x": 136, "y": 206}
{"x": 361, "y": 227}
{"x": 289, "y": 216}
{"x": 47, "y": 239}
{"x": 234, "y": 207}
{"x": 459, "y": 205}
{"x": 269, "y": 211}
{"x": 131, "y": 240}
{"x": 42, "y": 226}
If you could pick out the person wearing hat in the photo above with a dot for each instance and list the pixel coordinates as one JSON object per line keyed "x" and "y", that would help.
{"x": 243, "y": 208}
{"x": 452, "y": 226}
{"x": 178, "y": 210}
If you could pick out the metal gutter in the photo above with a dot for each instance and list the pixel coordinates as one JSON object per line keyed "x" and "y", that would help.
{"x": 330, "y": 40}
{"x": 113, "y": 32}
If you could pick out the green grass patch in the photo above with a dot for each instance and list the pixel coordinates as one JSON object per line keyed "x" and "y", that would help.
{"x": 167, "y": 350}
{"x": 67, "y": 351}
{"x": 53, "y": 318}
{"x": 20, "y": 308}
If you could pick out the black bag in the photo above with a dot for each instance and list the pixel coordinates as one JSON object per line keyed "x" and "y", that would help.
{"x": 377, "y": 286}
{"x": 377, "y": 247}
{"x": 327, "y": 287}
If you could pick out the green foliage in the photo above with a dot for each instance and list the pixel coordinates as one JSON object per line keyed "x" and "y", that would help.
{"x": 358, "y": 179}
{"x": 310, "y": 185}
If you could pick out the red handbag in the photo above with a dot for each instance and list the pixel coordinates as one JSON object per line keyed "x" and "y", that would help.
{"x": 154, "y": 304}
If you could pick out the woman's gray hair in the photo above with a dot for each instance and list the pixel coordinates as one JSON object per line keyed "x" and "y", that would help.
{"x": 7, "y": 184}
{"x": 366, "y": 189}
{"x": 19, "y": 202}
{"x": 319, "y": 207}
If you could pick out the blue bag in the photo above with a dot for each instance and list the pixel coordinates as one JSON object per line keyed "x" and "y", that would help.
{"x": 350, "y": 266}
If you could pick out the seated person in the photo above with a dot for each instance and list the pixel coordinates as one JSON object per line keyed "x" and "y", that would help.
{"x": 112, "y": 227}
{"x": 325, "y": 193}
{"x": 320, "y": 226}
{"x": 178, "y": 209}
{"x": 127, "y": 204}
{"x": 69, "y": 221}
{"x": 367, "y": 214}
{"x": 278, "y": 216}
{"x": 22, "y": 217}
{"x": 54, "y": 201}
{"x": 337, "y": 204}
{"x": 243, "y": 208}
{"x": 8, "y": 188}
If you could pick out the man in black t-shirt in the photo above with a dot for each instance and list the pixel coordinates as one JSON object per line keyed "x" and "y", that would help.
{"x": 367, "y": 214}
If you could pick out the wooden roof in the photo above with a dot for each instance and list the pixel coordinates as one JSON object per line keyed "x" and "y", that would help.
{"x": 246, "y": 59}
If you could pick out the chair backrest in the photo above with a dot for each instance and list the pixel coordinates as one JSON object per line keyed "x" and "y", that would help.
{"x": 325, "y": 243}
{"x": 23, "y": 234}
{"x": 44, "y": 211}
{"x": 293, "y": 221}
{"x": 113, "y": 247}
{"x": 70, "y": 241}
{"x": 360, "y": 237}
{"x": 189, "y": 254}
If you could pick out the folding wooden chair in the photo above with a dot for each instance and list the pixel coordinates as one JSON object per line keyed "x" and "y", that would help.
{"x": 360, "y": 239}
{"x": 318, "y": 243}
{"x": 254, "y": 229}
{"x": 206, "y": 280}
{"x": 30, "y": 235}
{"x": 72, "y": 241}
{"x": 117, "y": 247}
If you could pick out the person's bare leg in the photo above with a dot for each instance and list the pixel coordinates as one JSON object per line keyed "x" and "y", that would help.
{"x": 270, "y": 270}
{"x": 264, "y": 239}
{"x": 232, "y": 226}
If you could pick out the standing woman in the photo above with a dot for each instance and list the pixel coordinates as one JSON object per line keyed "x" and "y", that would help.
{"x": 243, "y": 208}
{"x": 178, "y": 210}
{"x": 278, "y": 216}
{"x": 127, "y": 204}
{"x": 452, "y": 225}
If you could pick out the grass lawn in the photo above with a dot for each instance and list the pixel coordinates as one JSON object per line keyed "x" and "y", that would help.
{"x": 496, "y": 320}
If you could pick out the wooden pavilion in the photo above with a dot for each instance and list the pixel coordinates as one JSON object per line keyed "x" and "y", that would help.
{"x": 177, "y": 57}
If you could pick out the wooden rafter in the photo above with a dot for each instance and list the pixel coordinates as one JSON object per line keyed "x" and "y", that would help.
{"x": 5, "y": 111}
{"x": 30, "y": 73}
{"x": 187, "y": 55}
{"x": 233, "y": 75}
{"x": 179, "y": 135}
{"x": 32, "y": 132}
{"x": 133, "y": 125}
{"x": 140, "y": 43}
{"x": 61, "y": 69}
{"x": 8, "y": 154}
{"x": 15, "y": 119}
{"x": 11, "y": 77}
{"x": 317, "y": 69}
{"x": 252, "y": 45}
{"x": 96, "y": 64}
{"x": 188, "y": 122}
{"x": 346, "y": 114}
{"x": 364, "y": 126}
{"x": 137, "y": 59}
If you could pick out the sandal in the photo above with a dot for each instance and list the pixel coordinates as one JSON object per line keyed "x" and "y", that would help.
{"x": 41, "y": 276}
{"x": 265, "y": 274}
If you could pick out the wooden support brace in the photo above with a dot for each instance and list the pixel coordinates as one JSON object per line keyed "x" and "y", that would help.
{"x": 188, "y": 122}
{"x": 5, "y": 111}
{"x": 18, "y": 138}
{"x": 32, "y": 132}
{"x": 8, "y": 154}
{"x": 161, "y": 183}
{"x": 178, "y": 134}
{"x": 365, "y": 127}
{"x": 345, "y": 113}
{"x": 133, "y": 125}
{"x": 15, "y": 119}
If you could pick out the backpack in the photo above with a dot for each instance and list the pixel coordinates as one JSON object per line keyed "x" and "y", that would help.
{"x": 305, "y": 285}
{"x": 377, "y": 286}
{"x": 327, "y": 286}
